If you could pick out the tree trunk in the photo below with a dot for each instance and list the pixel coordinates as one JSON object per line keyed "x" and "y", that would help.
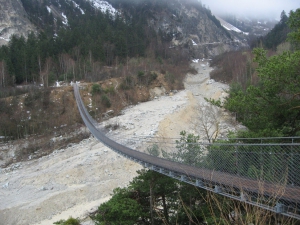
{"x": 190, "y": 217}
{"x": 40, "y": 67}
{"x": 3, "y": 74}
{"x": 151, "y": 204}
{"x": 165, "y": 209}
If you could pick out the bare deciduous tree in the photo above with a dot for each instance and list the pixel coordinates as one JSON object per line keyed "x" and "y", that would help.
{"x": 208, "y": 121}
{"x": 2, "y": 75}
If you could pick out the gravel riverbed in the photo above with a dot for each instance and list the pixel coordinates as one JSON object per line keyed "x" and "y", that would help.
{"x": 76, "y": 180}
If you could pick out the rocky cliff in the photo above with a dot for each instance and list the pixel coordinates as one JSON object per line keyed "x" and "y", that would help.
{"x": 13, "y": 20}
{"x": 188, "y": 25}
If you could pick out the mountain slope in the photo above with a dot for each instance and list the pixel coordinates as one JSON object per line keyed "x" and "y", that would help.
{"x": 76, "y": 38}
{"x": 183, "y": 24}
{"x": 13, "y": 20}
{"x": 180, "y": 23}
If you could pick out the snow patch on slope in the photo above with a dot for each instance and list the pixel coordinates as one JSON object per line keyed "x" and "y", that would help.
{"x": 5, "y": 39}
{"x": 77, "y": 6}
{"x": 194, "y": 43}
{"x": 49, "y": 9}
{"x": 65, "y": 22}
{"x": 104, "y": 6}
{"x": 228, "y": 26}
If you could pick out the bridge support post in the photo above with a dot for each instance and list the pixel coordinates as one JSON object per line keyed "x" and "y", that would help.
{"x": 243, "y": 197}
{"x": 279, "y": 208}
{"x": 171, "y": 174}
{"x": 199, "y": 183}
{"x": 183, "y": 177}
{"x": 217, "y": 189}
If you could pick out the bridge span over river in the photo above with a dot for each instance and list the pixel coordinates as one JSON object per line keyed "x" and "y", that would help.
{"x": 263, "y": 173}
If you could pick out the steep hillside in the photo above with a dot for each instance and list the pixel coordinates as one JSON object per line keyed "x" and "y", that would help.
{"x": 13, "y": 20}
{"x": 278, "y": 34}
{"x": 239, "y": 67}
{"x": 184, "y": 24}
{"x": 180, "y": 23}
{"x": 76, "y": 39}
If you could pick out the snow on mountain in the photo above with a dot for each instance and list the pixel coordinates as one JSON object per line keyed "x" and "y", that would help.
{"x": 228, "y": 26}
{"x": 5, "y": 39}
{"x": 103, "y": 6}
{"x": 77, "y": 6}
{"x": 65, "y": 21}
{"x": 48, "y": 9}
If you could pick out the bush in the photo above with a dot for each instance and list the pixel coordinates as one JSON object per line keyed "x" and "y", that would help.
{"x": 124, "y": 86}
{"x": 105, "y": 101}
{"x": 170, "y": 78}
{"x": 61, "y": 77}
{"x": 70, "y": 221}
{"x": 141, "y": 74}
{"x": 109, "y": 90}
{"x": 153, "y": 77}
{"x": 159, "y": 59}
{"x": 51, "y": 78}
{"x": 31, "y": 97}
{"x": 4, "y": 107}
{"x": 153, "y": 150}
{"x": 45, "y": 95}
{"x": 96, "y": 89}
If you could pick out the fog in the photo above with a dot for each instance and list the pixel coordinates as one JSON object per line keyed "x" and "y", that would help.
{"x": 252, "y": 8}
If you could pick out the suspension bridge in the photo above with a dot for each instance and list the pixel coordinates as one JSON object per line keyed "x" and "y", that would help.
{"x": 265, "y": 174}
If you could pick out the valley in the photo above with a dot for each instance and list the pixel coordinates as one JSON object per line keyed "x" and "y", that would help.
{"x": 73, "y": 181}
{"x": 144, "y": 75}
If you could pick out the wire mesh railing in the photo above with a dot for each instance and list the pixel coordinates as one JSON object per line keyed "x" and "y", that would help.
{"x": 265, "y": 172}
{"x": 273, "y": 162}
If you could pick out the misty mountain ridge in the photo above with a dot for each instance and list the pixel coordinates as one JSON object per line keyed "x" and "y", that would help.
{"x": 57, "y": 9}
{"x": 183, "y": 24}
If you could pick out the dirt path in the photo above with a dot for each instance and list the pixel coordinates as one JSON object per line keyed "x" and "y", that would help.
{"x": 75, "y": 180}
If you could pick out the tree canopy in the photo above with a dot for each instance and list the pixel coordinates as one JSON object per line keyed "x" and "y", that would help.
{"x": 89, "y": 37}
{"x": 294, "y": 23}
{"x": 152, "y": 198}
{"x": 278, "y": 34}
{"x": 272, "y": 106}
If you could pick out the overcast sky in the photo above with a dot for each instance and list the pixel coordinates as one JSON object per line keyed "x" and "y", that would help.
{"x": 269, "y": 8}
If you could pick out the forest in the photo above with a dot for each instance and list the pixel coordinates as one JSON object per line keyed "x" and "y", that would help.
{"x": 88, "y": 43}
{"x": 264, "y": 83}
{"x": 71, "y": 52}
{"x": 268, "y": 106}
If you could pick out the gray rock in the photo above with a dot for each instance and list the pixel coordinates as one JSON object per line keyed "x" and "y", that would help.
{"x": 43, "y": 188}
{"x": 6, "y": 185}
